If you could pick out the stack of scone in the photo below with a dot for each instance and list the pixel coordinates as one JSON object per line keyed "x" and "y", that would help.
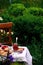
{"x": 4, "y": 50}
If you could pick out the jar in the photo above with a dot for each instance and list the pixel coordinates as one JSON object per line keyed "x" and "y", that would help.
{"x": 15, "y": 46}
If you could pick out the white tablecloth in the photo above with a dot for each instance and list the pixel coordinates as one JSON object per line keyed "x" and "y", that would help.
{"x": 25, "y": 56}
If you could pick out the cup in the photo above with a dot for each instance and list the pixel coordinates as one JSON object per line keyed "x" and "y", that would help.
{"x": 15, "y": 46}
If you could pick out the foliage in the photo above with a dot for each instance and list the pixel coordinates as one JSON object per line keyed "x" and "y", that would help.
{"x": 18, "y": 63}
{"x": 13, "y": 12}
{"x": 36, "y": 11}
{"x": 27, "y": 3}
{"x": 35, "y": 51}
{"x": 28, "y": 27}
{"x": 4, "y": 3}
{"x": 16, "y": 9}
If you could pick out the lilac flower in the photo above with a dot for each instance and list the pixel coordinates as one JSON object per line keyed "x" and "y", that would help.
{"x": 11, "y": 58}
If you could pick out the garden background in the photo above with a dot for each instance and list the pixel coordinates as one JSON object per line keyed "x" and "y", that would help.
{"x": 27, "y": 17}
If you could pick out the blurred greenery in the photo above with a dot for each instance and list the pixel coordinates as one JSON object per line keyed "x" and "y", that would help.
{"x": 18, "y": 63}
{"x": 36, "y": 11}
{"x": 27, "y": 3}
{"x": 28, "y": 27}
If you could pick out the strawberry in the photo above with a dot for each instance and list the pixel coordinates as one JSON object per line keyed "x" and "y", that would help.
{"x": 3, "y": 47}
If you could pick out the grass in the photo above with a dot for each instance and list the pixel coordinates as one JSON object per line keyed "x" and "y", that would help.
{"x": 18, "y": 63}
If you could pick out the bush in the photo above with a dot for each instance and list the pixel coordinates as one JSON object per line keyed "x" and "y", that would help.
{"x": 16, "y": 10}
{"x": 36, "y": 11}
{"x": 26, "y": 28}
{"x": 4, "y": 4}
{"x": 26, "y": 25}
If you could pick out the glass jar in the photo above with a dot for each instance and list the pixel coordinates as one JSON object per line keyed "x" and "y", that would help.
{"x": 15, "y": 46}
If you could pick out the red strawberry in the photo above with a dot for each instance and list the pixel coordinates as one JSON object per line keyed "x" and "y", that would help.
{"x": 3, "y": 47}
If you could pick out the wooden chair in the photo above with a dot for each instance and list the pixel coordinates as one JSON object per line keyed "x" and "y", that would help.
{"x": 5, "y": 29}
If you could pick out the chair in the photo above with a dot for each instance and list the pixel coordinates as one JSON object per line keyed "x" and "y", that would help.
{"x": 5, "y": 32}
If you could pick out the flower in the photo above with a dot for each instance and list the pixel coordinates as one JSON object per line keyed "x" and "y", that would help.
{"x": 1, "y": 30}
{"x": 1, "y": 18}
{"x": 12, "y": 33}
{"x": 11, "y": 58}
{"x": 7, "y": 32}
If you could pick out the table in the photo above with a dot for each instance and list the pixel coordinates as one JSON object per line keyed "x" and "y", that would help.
{"x": 25, "y": 56}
